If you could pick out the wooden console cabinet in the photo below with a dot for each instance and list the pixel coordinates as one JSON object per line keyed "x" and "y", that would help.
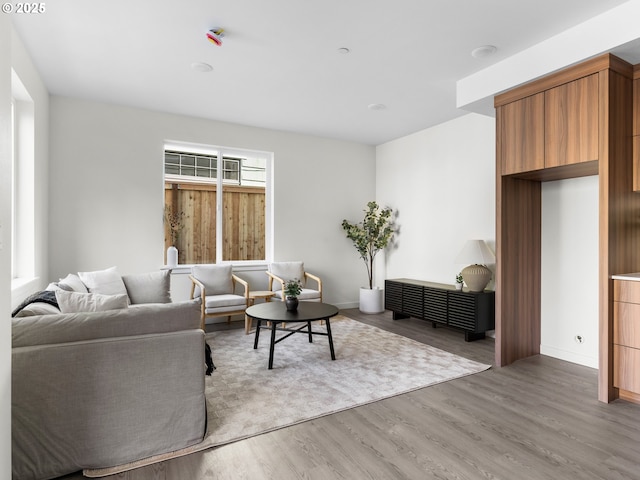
{"x": 440, "y": 304}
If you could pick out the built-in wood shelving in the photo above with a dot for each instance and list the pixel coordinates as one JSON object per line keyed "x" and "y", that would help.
{"x": 591, "y": 105}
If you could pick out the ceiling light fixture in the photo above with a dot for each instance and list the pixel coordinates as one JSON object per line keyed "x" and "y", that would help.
{"x": 483, "y": 51}
{"x": 376, "y": 106}
{"x": 201, "y": 67}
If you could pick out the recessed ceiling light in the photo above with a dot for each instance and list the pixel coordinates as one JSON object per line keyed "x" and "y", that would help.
{"x": 201, "y": 67}
{"x": 343, "y": 50}
{"x": 483, "y": 51}
{"x": 376, "y": 106}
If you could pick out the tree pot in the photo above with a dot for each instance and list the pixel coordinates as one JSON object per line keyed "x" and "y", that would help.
{"x": 371, "y": 300}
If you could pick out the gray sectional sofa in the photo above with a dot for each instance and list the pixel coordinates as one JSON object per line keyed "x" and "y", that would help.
{"x": 99, "y": 389}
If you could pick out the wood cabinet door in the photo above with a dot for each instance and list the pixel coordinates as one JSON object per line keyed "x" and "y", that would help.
{"x": 626, "y": 362}
{"x": 626, "y": 324}
{"x": 521, "y": 135}
{"x": 571, "y": 122}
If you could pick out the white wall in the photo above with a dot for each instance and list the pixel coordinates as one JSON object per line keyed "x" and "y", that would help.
{"x": 442, "y": 183}
{"x": 5, "y": 247}
{"x": 569, "y": 303}
{"x": 106, "y": 190}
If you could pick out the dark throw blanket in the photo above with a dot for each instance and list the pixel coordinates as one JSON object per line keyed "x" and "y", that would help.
{"x": 45, "y": 296}
{"x": 208, "y": 359}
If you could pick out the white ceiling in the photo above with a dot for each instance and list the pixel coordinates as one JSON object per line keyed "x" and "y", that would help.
{"x": 279, "y": 65}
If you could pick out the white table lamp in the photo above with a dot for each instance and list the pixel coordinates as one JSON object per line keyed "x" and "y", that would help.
{"x": 477, "y": 254}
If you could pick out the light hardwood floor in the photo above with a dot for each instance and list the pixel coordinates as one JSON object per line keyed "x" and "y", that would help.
{"x": 536, "y": 419}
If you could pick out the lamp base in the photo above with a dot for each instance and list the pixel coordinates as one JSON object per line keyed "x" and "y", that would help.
{"x": 476, "y": 277}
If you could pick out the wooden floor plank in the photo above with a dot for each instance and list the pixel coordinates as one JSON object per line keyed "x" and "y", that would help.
{"x": 538, "y": 418}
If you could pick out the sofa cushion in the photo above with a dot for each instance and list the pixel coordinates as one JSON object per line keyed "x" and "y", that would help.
{"x": 73, "y": 302}
{"x": 224, "y": 300}
{"x": 75, "y": 283}
{"x": 153, "y": 287}
{"x": 106, "y": 282}
{"x": 215, "y": 278}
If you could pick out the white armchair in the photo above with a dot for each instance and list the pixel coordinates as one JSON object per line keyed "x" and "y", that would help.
{"x": 281, "y": 272}
{"x": 216, "y": 285}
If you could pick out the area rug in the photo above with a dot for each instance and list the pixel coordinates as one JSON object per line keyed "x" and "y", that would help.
{"x": 244, "y": 398}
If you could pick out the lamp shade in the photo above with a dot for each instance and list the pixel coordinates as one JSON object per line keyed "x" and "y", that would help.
{"x": 476, "y": 252}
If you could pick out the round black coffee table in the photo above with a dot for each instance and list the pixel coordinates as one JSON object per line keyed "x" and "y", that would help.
{"x": 276, "y": 313}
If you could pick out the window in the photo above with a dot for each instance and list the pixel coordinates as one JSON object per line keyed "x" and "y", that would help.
{"x": 22, "y": 184}
{"x": 198, "y": 167}
{"x": 212, "y": 218}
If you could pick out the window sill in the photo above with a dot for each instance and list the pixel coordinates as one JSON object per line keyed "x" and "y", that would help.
{"x": 248, "y": 266}
{"x": 23, "y": 287}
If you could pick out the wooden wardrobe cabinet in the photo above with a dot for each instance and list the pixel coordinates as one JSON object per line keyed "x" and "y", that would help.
{"x": 550, "y": 129}
{"x": 571, "y": 122}
{"x": 586, "y": 130}
{"x": 524, "y": 144}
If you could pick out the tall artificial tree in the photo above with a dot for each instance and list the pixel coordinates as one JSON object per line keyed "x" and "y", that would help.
{"x": 371, "y": 235}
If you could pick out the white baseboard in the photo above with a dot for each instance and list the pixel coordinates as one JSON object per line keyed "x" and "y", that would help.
{"x": 569, "y": 356}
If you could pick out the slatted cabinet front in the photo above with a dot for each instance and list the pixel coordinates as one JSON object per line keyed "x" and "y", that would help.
{"x": 473, "y": 312}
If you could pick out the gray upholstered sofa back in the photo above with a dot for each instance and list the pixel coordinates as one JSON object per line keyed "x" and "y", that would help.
{"x": 135, "y": 320}
{"x": 96, "y": 390}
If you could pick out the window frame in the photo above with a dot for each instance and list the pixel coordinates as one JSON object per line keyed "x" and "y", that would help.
{"x": 227, "y": 153}
{"x": 22, "y": 186}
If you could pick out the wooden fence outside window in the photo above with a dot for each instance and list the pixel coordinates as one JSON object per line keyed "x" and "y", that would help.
{"x": 243, "y": 222}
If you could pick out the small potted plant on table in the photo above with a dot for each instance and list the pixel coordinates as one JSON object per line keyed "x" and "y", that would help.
{"x": 292, "y": 289}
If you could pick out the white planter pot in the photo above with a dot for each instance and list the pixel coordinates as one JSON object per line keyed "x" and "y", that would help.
{"x": 371, "y": 300}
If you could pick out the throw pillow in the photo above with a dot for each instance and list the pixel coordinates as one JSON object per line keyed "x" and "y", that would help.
{"x": 215, "y": 278}
{"x": 151, "y": 287}
{"x": 105, "y": 282}
{"x": 73, "y": 302}
{"x": 53, "y": 286}
{"x": 75, "y": 283}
